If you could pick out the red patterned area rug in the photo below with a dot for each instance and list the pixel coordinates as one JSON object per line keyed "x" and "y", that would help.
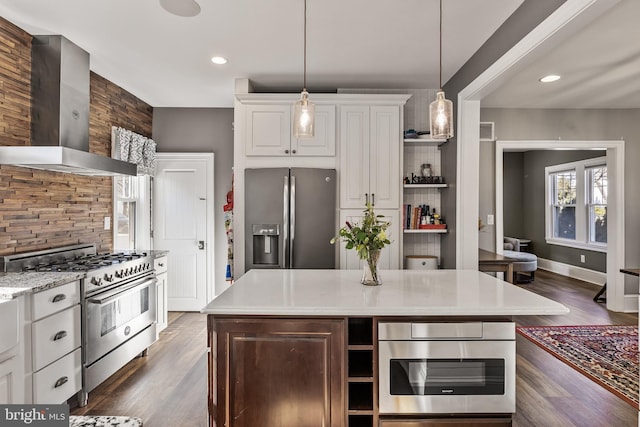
{"x": 606, "y": 354}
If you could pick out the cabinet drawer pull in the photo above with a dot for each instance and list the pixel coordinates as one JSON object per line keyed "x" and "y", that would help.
{"x": 61, "y": 381}
{"x": 161, "y": 264}
{"x": 293, "y": 151}
{"x": 59, "y": 335}
{"x": 286, "y": 151}
{"x": 373, "y": 199}
{"x": 59, "y": 297}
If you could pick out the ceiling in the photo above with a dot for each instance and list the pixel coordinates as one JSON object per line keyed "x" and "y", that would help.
{"x": 164, "y": 59}
{"x": 599, "y": 66}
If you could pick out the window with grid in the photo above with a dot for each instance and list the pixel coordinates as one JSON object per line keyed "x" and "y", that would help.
{"x": 126, "y": 196}
{"x": 597, "y": 203}
{"x": 577, "y": 204}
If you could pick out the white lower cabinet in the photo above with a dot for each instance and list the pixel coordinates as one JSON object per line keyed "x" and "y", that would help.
{"x": 11, "y": 366}
{"x": 53, "y": 361}
{"x": 160, "y": 265}
{"x": 10, "y": 376}
{"x": 390, "y": 255}
{"x": 58, "y": 381}
{"x": 55, "y": 336}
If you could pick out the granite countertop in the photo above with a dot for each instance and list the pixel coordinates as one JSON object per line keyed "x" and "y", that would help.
{"x": 402, "y": 293}
{"x": 13, "y": 285}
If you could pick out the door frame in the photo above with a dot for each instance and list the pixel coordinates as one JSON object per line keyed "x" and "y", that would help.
{"x": 616, "y": 298}
{"x": 569, "y": 18}
{"x": 210, "y": 212}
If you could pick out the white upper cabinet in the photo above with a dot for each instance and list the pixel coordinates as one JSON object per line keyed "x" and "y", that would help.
{"x": 370, "y": 156}
{"x": 269, "y": 132}
{"x": 323, "y": 142}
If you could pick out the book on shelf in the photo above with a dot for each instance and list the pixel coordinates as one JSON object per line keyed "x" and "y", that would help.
{"x": 420, "y": 218}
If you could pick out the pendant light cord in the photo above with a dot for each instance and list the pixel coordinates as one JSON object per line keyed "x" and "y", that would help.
{"x": 304, "y": 78}
{"x": 440, "y": 30}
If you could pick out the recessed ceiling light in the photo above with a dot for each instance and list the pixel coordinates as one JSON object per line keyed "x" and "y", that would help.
{"x": 186, "y": 8}
{"x": 550, "y": 78}
{"x": 219, "y": 60}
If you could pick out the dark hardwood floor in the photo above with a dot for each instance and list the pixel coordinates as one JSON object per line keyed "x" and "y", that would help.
{"x": 548, "y": 391}
{"x": 168, "y": 388}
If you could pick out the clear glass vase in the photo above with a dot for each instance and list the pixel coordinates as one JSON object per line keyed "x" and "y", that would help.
{"x": 370, "y": 273}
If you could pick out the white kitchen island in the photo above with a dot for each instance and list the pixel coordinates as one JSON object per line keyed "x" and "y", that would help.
{"x": 300, "y": 347}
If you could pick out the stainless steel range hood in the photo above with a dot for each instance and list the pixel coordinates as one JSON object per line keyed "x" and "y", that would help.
{"x": 60, "y": 81}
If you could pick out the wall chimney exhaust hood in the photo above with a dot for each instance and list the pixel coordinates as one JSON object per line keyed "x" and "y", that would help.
{"x": 60, "y": 82}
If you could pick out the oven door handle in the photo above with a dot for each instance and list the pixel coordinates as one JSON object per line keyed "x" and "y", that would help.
{"x": 110, "y": 296}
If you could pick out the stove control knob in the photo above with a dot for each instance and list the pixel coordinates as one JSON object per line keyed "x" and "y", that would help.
{"x": 108, "y": 277}
{"x": 96, "y": 281}
{"x": 130, "y": 270}
{"x": 118, "y": 274}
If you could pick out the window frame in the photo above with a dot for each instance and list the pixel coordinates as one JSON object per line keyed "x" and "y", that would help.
{"x": 582, "y": 205}
{"x": 141, "y": 186}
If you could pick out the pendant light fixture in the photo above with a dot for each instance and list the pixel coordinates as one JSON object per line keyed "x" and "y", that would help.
{"x": 441, "y": 110}
{"x": 304, "y": 110}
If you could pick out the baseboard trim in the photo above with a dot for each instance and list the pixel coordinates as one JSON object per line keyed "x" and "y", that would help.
{"x": 631, "y": 304}
{"x": 580, "y": 273}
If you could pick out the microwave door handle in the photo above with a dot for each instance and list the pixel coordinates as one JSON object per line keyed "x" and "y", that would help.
{"x": 285, "y": 222}
{"x": 292, "y": 214}
{"x": 110, "y": 296}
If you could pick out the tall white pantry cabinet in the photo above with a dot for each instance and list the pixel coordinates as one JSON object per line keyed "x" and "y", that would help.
{"x": 360, "y": 135}
{"x": 370, "y": 141}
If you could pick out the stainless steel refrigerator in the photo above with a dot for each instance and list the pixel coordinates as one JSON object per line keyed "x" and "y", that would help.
{"x": 290, "y": 217}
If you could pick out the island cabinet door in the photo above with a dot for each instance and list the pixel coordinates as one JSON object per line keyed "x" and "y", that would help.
{"x": 279, "y": 372}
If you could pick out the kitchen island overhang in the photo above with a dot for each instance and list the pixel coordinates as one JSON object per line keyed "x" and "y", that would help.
{"x": 301, "y": 347}
{"x": 403, "y": 293}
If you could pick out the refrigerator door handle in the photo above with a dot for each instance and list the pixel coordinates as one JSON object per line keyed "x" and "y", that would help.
{"x": 285, "y": 222}
{"x": 292, "y": 214}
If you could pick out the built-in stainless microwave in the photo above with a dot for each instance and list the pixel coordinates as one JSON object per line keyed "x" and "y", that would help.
{"x": 446, "y": 367}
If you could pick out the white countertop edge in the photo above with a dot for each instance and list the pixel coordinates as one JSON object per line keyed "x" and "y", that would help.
{"x": 342, "y": 312}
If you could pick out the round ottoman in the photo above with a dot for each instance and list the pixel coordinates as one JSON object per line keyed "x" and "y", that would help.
{"x": 526, "y": 263}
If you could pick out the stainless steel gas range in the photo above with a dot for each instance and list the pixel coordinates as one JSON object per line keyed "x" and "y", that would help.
{"x": 118, "y": 304}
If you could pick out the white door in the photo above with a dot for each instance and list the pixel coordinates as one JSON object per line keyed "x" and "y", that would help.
{"x": 183, "y": 225}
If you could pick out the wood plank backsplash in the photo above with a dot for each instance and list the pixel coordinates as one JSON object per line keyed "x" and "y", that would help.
{"x": 40, "y": 209}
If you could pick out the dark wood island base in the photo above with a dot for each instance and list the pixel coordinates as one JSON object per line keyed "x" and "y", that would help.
{"x": 305, "y": 371}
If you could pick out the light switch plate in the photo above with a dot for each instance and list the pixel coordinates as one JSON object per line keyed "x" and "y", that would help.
{"x": 107, "y": 223}
{"x": 490, "y": 219}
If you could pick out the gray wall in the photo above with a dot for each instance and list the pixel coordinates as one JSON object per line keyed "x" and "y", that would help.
{"x": 487, "y": 202}
{"x": 202, "y": 130}
{"x": 528, "y": 16}
{"x": 575, "y": 124}
{"x": 513, "y": 194}
{"x": 533, "y": 210}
